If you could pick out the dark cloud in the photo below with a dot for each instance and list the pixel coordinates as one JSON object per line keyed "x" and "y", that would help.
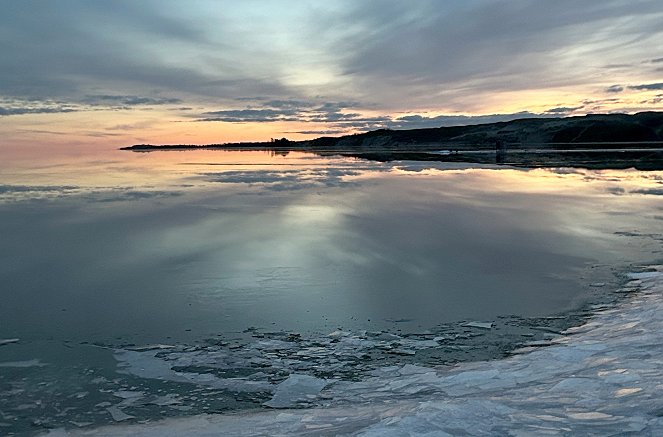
{"x": 656, "y": 61}
{"x": 367, "y": 123}
{"x": 651, "y": 191}
{"x": 318, "y": 132}
{"x": 562, "y": 110}
{"x": 251, "y": 115}
{"x": 65, "y": 49}
{"x": 13, "y": 106}
{"x": 617, "y": 191}
{"x": 647, "y": 87}
{"x": 4, "y": 189}
{"x": 418, "y": 121}
{"x": 334, "y": 115}
{"x": 470, "y": 47}
{"x": 397, "y": 55}
{"x": 290, "y": 110}
{"x": 614, "y": 89}
{"x": 10, "y": 106}
{"x": 34, "y": 110}
{"x": 105, "y": 100}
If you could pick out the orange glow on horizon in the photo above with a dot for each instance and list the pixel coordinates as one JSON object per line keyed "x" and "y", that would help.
{"x": 167, "y": 125}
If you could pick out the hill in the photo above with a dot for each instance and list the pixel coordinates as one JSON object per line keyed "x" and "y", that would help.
{"x": 592, "y": 141}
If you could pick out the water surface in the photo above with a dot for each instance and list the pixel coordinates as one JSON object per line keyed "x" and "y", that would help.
{"x": 180, "y": 248}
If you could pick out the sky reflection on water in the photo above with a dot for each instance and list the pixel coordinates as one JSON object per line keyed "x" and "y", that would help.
{"x": 181, "y": 245}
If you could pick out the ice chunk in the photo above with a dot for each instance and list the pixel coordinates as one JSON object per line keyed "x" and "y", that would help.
{"x": 627, "y": 391}
{"x": 81, "y": 424}
{"x": 594, "y": 415}
{"x": 8, "y": 341}
{"x": 118, "y": 415}
{"x": 481, "y": 325}
{"x": 150, "y": 347}
{"x": 128, "y": 394}
{"x": 166, "y": 400}
{"x": 295, "y": 389}
{"x": 644, "y": 275}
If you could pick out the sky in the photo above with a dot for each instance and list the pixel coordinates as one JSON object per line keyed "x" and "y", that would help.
{"x": 121, "y": 72}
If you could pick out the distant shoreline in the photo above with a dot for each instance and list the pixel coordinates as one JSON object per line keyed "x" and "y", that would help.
{"x": 594, "y": 141}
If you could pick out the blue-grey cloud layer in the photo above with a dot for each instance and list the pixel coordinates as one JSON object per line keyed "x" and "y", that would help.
{"x": 381, "y": 54}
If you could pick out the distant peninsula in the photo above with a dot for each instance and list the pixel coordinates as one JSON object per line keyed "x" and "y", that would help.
{"x": 592, "y": 141}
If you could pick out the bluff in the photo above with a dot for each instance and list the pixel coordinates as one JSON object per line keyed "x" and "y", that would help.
{"x": 567, "y": 132}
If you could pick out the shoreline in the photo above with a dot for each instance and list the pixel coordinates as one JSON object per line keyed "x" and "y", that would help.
{"x": 602, "y": 367}
{"x": 608, "y": 141}
{"x": 598, "y": 158}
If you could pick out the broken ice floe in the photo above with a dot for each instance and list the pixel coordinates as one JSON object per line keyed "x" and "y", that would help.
{"x": 602, "y": 378}
{"x": 296, "y": 390}
{"x": 482, "y": 325}
{"x": 118, "y": 415}
{"x": 259, "y": 366}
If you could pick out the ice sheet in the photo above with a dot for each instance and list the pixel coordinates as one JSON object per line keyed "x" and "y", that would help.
{"x": 602, "y": 378}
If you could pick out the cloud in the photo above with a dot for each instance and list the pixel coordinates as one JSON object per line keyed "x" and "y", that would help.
{"x": 67, "y": 49}
{"x": 10, "y": 107}
{"x": 562, "y": 110}
{"x": 322, "y": 62}
{"x": 617, "y": 191}
{"x": 251, "y": 115}
{"x": 295, "y": 110}
{"x": 36, "y": 188}
{"x": 650, "y": 191}
{"x": 419, "y": 121}
{"x": 614, "y": 89}
{"x": 455, "y": 53}
{"x": 648, "y": 87}
{"x": 658, "y": 98}
{"x": 13, "y": 106}
{"x": 4, "y": 112}
{"x": 319, "y": 132}
{"x": 105, "y": 100}
{"x": 293, "y": 104}
{"x": 335, "y": 115}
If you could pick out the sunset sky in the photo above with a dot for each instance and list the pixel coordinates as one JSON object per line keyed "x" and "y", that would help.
{"x": 126, "y": 72}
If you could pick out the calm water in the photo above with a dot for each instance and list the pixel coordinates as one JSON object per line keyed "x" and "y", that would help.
{"x": 177, "y": 248}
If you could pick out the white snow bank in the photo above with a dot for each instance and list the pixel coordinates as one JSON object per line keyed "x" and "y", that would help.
{"x": 603, "y": 378}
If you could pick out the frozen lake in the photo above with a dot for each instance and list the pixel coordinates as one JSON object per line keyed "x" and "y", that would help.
{"x": 142, "y": 286}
